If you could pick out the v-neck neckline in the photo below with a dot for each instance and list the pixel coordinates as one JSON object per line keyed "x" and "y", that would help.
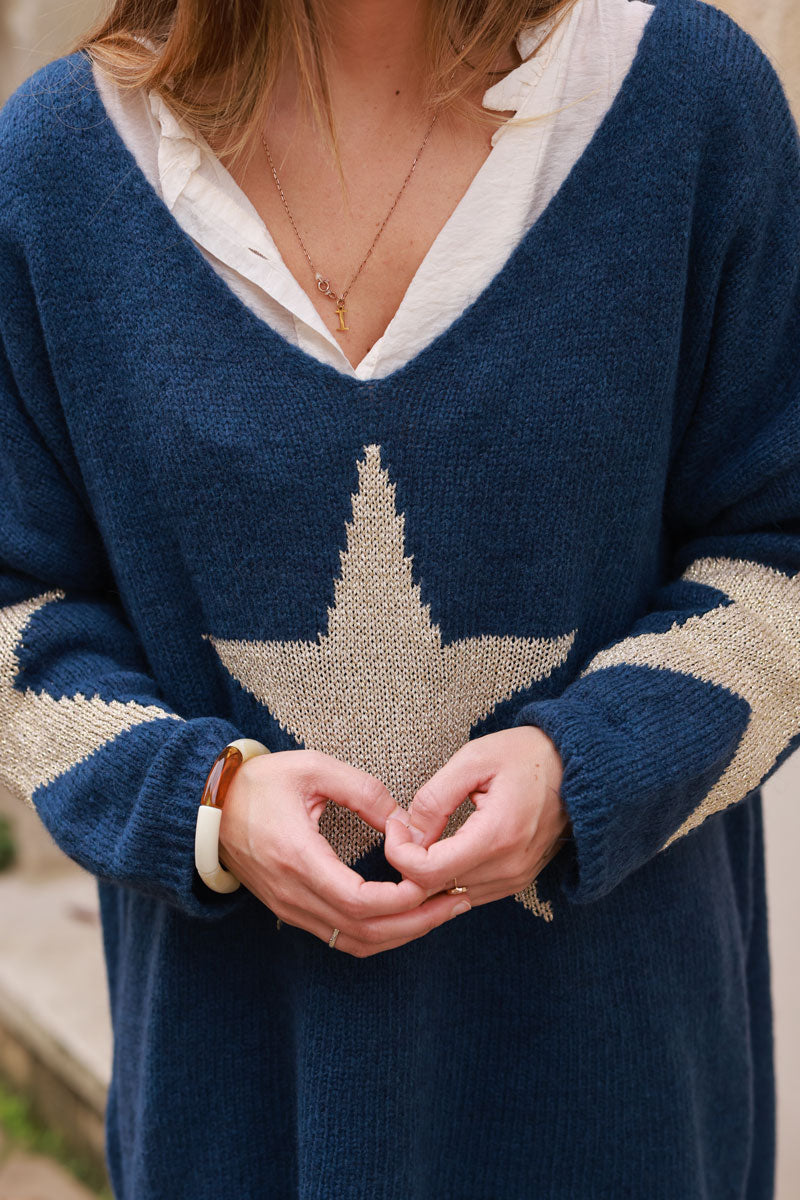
{"x": 274, "y": 343}
{"x": 544, "y": 70}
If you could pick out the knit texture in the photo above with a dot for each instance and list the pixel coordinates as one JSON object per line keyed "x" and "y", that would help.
{"x": 578, "y": 507}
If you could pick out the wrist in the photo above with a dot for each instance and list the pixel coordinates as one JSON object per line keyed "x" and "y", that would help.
{"x": 549, "y": 762}
{"x": 209, "y": 814}
{"x": 548, "y": 758}
{"x": 555, "y": 777}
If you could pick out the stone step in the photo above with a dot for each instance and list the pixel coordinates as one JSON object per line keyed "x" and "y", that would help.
{"x": 55, "y": 1033}
{"x": 31, "y": 1177}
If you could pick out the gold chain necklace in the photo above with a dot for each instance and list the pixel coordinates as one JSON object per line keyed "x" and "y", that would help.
{"x": 323, "y": 283}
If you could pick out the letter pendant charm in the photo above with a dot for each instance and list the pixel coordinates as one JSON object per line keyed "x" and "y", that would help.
{"x": 340, "y": 314}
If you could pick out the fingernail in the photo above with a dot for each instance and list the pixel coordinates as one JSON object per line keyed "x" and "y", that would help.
{"x": 462, "y": 907}
{"x": 416, "y": 835}
{"x": 400, "y": 815}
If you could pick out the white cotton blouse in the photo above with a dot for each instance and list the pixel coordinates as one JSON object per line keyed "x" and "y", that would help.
{"x": 571, "y": 83}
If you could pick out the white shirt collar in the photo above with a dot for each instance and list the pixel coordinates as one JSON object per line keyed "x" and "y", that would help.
{"x": 512, "y": 92}
{"x": 182, "y": 150}
{"x": 219, "y": 216}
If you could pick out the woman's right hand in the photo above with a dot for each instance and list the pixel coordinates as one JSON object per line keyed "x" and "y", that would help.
{"x": 269, "y": 838}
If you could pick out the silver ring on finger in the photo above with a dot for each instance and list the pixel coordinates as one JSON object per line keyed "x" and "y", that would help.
{"x": 332, "y": 938}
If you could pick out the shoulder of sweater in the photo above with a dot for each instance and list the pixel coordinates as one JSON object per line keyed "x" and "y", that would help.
{"x": 754, "y": 135}
{"x": 45, "y": 136}
{"x": 726, "y": 111}
{"x": 731, "y": 76}
{"x": 727, "y": 85}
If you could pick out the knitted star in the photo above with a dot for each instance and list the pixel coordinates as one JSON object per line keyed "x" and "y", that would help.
{"x": 47, "y": 736}
{"x": 379, "y": 689}
{"x": 749, "y": 644}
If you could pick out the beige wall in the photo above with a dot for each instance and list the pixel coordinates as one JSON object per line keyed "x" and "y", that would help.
{"x": 775, "y": 24}
{"x": 32, "y": 32}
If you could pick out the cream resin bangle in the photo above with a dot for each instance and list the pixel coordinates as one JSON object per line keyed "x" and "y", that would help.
{"x": 209, "y": 814}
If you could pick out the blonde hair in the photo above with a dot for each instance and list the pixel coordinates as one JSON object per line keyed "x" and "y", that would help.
{"x": 216, "y": 61}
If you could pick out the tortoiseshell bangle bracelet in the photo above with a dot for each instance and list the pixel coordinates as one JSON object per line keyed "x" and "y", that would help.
{"x": 209, "y": 814}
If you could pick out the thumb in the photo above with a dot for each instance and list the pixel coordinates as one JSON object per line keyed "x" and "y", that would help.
{"x": 439, "y": 797}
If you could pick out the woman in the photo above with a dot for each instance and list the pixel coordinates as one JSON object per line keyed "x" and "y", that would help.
{"x": 487, "y": 566}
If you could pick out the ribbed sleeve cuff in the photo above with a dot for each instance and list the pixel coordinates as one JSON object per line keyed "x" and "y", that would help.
{"x": 158, "y": 840}
{"x": 636, "y": 762}
{"x": 585, "y": 860}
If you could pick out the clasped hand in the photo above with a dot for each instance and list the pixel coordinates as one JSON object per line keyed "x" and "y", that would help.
{"x": 270, "y": 838}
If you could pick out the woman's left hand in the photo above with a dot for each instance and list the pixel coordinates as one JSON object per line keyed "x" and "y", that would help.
{"x": 513, "y": 778}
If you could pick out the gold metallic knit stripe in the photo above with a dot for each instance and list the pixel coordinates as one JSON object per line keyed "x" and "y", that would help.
{"x": 750, "y": 646}
{"x": 42, "y": 737}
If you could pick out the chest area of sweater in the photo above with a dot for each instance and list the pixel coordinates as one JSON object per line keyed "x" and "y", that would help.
{"x": 553, "y": 389}
{"x": 433, "y": 521}
{"x": 498, "y": 477}
{"x": 474, "y": 521}
{"x": 382, "y": 572}
{"x": 511, "y": 458}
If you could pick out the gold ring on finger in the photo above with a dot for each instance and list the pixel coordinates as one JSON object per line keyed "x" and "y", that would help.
{"x": 332, "y": 938}
{"x": 455, "y": 890}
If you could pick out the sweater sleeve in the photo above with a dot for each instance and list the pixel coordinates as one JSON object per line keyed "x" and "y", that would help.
{"x": 695, "y": 707}
{"x": 87, "y": 737}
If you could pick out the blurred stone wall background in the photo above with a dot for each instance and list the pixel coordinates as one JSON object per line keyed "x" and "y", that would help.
{"x": 34, "y": 31}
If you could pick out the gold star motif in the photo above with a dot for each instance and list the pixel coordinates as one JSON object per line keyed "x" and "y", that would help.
{"x": 45, "y": 737}
{"x": 750, "y": 646}
{"x": 379, "y": 690}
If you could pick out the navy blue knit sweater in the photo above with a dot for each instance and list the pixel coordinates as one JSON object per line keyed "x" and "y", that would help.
{"x": 578, "y": 507}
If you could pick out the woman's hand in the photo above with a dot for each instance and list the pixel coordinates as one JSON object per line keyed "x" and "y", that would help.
{"x": 513, "y": 778}
{"x": 269, "y": 837}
